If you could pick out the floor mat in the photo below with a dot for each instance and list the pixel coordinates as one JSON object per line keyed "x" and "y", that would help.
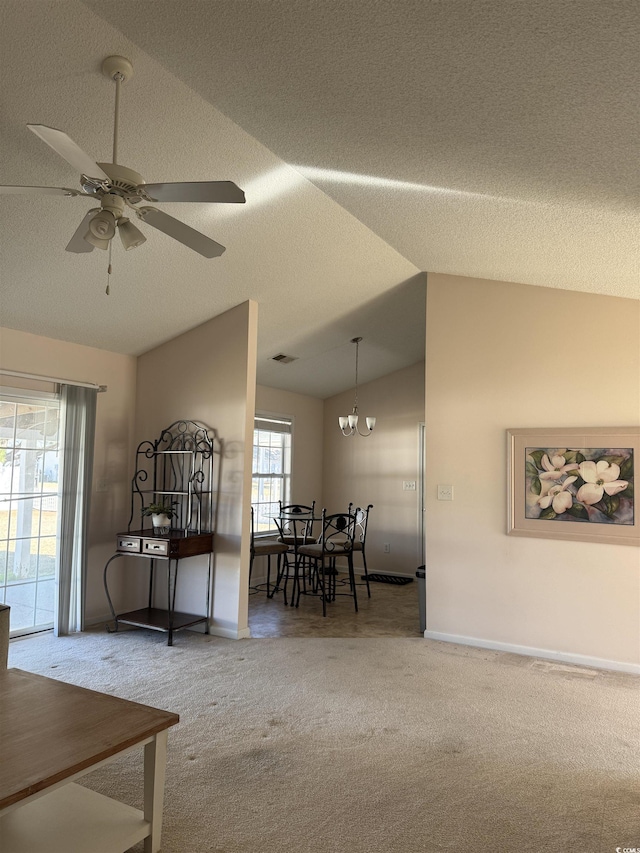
{"x": 389, "y": 579}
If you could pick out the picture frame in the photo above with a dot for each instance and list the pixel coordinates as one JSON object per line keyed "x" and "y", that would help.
{"x": 574, "y": 483}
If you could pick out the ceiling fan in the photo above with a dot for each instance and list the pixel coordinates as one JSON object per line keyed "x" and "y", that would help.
{"x": 118, "y": 188}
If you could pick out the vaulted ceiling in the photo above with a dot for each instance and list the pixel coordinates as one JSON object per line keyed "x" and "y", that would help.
{"x": 374, "y": 141}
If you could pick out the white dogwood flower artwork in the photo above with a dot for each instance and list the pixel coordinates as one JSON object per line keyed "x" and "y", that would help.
{"x": 574, "y": 484}
{"x": 592, "y": 485}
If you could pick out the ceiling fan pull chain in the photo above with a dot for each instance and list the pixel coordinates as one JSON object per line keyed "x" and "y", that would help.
{"x": 108, "y": 291}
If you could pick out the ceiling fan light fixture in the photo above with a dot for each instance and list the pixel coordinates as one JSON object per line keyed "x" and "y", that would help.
{"x": 96, "y": 241}
{"x": 102, "y": 227}
{"x": 131, "y": 236}
{"x": 115, "y": 186}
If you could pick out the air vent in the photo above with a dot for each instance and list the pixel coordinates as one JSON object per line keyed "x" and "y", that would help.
{"x": 284, "y": 359}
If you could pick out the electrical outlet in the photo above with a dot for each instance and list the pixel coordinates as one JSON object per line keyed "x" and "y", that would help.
{"x": 386, "y": 548}
{"x": 445, "y": 493}
{"x": 409, "y": 485}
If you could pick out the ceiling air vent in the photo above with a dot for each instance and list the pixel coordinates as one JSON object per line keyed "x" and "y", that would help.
{"x": 284, "y": 359}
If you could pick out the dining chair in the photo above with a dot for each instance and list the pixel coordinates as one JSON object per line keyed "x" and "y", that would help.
{"x": 336, "y": 540}
{"x": 291, "y": 535}
{"x": 265, "y": 548}
{"x": 298, "y": 519}
{"x": 360, "y": 539}
{"x": 296, "y": 528}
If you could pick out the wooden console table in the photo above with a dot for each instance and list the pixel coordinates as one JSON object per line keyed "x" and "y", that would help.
{"x": 52, "y": 733}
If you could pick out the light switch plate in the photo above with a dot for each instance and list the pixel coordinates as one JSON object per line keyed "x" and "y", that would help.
{"x": 445, "y": 493}
{"x": 409, "y": 485}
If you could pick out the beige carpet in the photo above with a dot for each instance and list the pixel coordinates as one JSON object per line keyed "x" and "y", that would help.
{"x": 368, "y": 746}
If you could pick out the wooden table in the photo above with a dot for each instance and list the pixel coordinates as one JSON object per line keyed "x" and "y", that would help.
{"x": 52, "y": 733}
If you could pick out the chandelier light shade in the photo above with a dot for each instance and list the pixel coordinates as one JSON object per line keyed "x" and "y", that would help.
{"x": 349, "y": 424}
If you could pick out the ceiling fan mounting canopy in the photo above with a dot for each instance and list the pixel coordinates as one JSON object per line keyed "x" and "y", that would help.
{"x": 115, "y": 67}
{"x": 118, "y": 187}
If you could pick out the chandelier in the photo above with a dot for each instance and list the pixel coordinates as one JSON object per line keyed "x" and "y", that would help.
{"x": 349, "y": 424}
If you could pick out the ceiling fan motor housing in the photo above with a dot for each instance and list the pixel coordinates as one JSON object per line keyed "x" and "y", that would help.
{"x": 122, "y": 181}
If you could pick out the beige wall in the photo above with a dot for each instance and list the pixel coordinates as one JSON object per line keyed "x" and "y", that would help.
{"x": 208, "y": 375}
{"x": 28, "y": 353}
{"x": 499, "y": 356}
{"x": 371, "y": 470}
{"x": 307, "y": 414}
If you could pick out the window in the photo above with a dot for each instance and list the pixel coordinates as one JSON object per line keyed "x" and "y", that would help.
{"x": 271, "y": 469}
{"x": 29, "y": 495}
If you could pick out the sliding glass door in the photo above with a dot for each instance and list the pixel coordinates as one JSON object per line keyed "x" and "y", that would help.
{"x": 29, "y": 503}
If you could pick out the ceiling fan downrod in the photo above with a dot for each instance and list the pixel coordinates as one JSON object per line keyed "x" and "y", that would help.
{"x": 118, "y": 69}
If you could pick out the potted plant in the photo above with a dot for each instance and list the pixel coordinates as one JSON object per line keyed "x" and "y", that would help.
{"x": 161, "y": 515}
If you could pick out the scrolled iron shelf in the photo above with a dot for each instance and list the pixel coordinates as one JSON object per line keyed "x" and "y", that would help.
{"x": 184, "y": 462}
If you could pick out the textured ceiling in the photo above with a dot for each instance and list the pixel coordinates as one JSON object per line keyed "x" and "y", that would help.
{"x": 373, "y": 140}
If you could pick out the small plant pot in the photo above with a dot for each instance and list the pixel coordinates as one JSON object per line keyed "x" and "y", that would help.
{"x": 161, "y": 523}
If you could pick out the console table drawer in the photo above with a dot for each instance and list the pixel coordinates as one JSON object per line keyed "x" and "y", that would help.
{"x": 156, "y": 547}
{"x": 129, "y": 543}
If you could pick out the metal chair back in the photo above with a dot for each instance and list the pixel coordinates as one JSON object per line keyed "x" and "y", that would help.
{"x": 359, "y": 542}
{"x": 296, "y": 522}
{"x": 338, "y": 532}
{"x": 362, "y": 519}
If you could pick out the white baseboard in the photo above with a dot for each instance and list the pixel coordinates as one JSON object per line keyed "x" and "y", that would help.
{"x": 230, "y": 633}
{"x": 529, "y": 651}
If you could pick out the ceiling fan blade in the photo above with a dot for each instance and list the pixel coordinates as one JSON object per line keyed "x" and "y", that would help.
{"x": 69, "y": 151}
{"x": 180, "y": 232}
{"x": 77, "y": 243}
{"x": 209, "y": 191}
{"x": 11, "y": 190}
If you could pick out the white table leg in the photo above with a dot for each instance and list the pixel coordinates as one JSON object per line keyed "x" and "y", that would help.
{"x": 155, "y": 761}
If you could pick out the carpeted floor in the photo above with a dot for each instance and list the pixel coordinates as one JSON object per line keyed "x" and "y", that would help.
{"x": 368, "y": 746}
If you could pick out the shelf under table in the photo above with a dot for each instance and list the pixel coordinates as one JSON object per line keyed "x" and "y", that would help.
{"x": 158, "y": 619}
{"x": 73, "y": 818}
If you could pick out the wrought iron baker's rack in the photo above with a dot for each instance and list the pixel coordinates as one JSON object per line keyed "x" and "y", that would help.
{"x": 180, "y": 467}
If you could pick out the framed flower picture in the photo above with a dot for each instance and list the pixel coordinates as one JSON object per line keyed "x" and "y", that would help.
{"x": 574, "y": 484}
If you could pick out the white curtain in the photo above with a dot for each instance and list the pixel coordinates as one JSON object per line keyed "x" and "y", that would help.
{"x": 77, "y": 432}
